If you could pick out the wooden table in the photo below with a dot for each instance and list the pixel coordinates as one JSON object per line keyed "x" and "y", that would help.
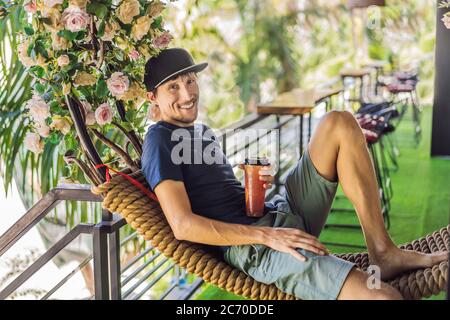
{"x": 298, "y": 102}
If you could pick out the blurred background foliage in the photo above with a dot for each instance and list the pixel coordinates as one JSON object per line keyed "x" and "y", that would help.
{"x": 258, "y": 48}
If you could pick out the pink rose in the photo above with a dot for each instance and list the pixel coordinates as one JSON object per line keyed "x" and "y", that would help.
{"x": 134, "y": 54}
{"x": 75, "y": 19}
{"x": 63, "y": 60}
{"x": 30, "y": 7}
{"x": 104, "y": 114}
{"x": 118, "y": 84}
{"x": 446, "y": 20}
{"x": 162, "y": 41}
{"x": 39, "y": 109}
{"x": 33, "y": 143}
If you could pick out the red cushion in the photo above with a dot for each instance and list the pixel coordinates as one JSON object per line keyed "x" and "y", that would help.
{"x": 371, "y": 137}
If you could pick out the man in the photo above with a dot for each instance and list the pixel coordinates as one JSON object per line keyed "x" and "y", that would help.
{"x": 204, "y": 203}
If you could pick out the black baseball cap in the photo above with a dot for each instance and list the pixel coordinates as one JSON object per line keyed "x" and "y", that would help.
{"x": 168, "y": 64}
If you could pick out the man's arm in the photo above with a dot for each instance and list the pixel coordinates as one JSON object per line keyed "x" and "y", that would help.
{"x": 189, "y": 226}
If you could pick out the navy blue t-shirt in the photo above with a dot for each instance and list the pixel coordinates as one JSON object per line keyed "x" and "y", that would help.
{"x": 193, "y": 155}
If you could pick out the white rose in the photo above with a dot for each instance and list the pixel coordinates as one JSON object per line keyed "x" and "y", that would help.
{"x": 89, "y": 115}
{"x": 39, "y": 109}
{"x": 127, "y": 10}
{"x": 33, "y": 143}
{"x": 90, "y": 118}
{"x": 63, "y": 60}
{"x": 78, "y": 3}
{"x": 66, "y": 88}
{"x": 84, "y": 78}
{"x": 23, "y": 56}
{"x": 43, "y": 130}
{"x": 141, "y": 27}
{"x": 52, "y": 3}
{"x": 61, "y": 124}
{"x": 53, "y": 18}
{"x": 110, "y": 31}
{"x": 155, "y": 8}
{"x": 60, "y": 43}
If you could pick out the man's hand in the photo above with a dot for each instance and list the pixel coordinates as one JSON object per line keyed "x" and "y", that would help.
{"x": 266, "y": 174}
{"x": 289, "y": 239}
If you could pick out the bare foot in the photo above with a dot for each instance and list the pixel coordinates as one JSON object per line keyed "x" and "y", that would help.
{"x": 395, "y": 261}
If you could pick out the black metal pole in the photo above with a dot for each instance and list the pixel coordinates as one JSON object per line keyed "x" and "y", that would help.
{"x": 101, "y": 274}
{"x": 440, "y": 138}
{"x": 114, "y": 265}
{"x": 309, "y": 126}
{"x": 278, "y": 142}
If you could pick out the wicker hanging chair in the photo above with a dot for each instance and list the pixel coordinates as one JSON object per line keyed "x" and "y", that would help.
{"x": 145, "y": 215}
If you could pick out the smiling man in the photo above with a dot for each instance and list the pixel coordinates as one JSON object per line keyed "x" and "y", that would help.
{"x": 205, "y": 203}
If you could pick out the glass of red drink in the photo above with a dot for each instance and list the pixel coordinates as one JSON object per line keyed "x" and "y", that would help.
{"x": 254, "y": 188}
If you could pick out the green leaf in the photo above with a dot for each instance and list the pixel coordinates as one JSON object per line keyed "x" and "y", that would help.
{"x": 54, "y": 137}
{"x": 30, "y": 49}
{"x": 70, "y": 142}
{"x": 97, "y": 9}
{"x": 38, "y": 71}
{"x": 28, "y": 28}
{"x": 39, "y": 47}
{"x": 80, "y": 35}
{"x": 40, "y": 88}
{"x": 157, "y": 23}
{"x": 69, "y": 35}
{"x": 55, "y": 107}
{"x": 130, "y": 114}
{"x": 101, "y": 29}
{"x": 118, "y": 54}
{"x": 84, "y": 90}
{"x": 62, "y": 148}
{"x": 127, "y": 125}
{"x": 101, "y": 89}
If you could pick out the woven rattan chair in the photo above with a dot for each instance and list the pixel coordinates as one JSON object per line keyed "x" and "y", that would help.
{"x": 145, "y": 215}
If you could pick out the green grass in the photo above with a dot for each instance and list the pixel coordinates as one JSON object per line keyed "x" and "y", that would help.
{"x": 420, "y": 205}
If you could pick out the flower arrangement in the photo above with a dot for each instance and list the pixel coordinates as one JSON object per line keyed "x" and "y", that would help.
{"x": 88, "y": 59}
{"x": 446, "y": 16}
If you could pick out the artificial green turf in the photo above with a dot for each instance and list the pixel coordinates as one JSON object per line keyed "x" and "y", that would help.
{"x": 420, "y": 205}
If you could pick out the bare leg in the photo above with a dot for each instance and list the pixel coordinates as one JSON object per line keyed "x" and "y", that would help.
{"x": 338, "y": 150}
{"x": 355, "y": 288}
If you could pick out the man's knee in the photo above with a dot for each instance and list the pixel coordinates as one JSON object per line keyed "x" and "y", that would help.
{"x": 341, "y": 123}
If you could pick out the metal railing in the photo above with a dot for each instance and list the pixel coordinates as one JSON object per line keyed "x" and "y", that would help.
{"x": 108, "y": 282}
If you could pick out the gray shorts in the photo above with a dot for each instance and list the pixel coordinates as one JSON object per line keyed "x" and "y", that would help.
{"x": 305, "y": 206}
